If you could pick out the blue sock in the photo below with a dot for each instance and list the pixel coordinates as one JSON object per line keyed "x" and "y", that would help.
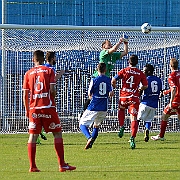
{"x": 95, "y": 133}
{"x": 85, "y": 131}
{"x": 148, "y": 125}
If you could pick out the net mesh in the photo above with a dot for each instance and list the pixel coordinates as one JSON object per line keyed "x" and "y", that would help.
{"x": 78, "y": 51}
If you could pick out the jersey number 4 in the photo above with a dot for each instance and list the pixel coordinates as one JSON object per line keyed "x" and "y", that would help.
{"x": 130, "y": 81}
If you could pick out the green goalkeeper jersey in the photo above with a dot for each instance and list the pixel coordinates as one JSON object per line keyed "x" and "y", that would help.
{"x": 109, "y": 60}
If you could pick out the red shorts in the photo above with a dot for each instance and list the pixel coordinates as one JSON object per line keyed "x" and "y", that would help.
{"x": 46, "y": 118}
{"x": 132, "y": 104}
{"x": 175, "y": 109}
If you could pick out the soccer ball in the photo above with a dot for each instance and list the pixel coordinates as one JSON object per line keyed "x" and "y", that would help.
{"x": 146, "y": 28}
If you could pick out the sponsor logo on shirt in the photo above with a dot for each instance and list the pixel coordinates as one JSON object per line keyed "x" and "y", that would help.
{"x": 132, "y": 72}
{"x": 42, "y": 95}
{"x": 38, "y": 71}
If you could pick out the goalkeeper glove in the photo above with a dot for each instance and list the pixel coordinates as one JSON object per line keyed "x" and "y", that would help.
{"x": 125, "y": 38}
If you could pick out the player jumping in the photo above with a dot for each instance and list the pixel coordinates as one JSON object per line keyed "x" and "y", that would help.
{"x": 129, "y": 95}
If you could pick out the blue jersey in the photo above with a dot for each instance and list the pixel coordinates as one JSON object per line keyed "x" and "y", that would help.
{"x": 99, "y": 88}
{"x": 151, "y": 94}
{"x": 50, "y": 66}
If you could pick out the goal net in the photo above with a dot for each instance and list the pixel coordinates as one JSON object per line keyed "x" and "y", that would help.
{"x": 77, "y": 50}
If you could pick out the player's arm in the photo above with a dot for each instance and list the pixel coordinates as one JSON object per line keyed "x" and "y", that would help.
{"x": 113, "y": 82}
{"x": 144, "y": 83}
{"x": 125, "y": 52}
{"x": 111, "y": 93}
{"x": 115, "y": 79}
{"x": 26, "y": 101}
{"x": 124, "y": 39}
{"x": 52, "y": 90}
{"x": 58, "y": 75}
{"x": 142, "y": 88}
{"x": 173, "y": 93}
{"x": 90, "y": 89}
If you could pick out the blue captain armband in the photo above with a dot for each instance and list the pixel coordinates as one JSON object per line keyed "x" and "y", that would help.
{"x": 116, "y": 77}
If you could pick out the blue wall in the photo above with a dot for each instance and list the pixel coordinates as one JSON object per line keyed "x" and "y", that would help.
{"x": 94, "y": 12}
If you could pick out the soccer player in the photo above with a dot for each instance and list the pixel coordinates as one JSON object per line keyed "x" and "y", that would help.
{"x": 129, "y": 95}
{"x": 109, "y": 56}
{"x": 50, "y": 62}
{"x": 150, "y": 98}
{"x": 38, "y": 99}
{"x": 100, "y": 89}
{"x": 174, "y": 105}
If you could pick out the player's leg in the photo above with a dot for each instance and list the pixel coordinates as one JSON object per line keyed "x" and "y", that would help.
{"x": 38, "y": 141}
{"x": 52, "y": 124}
{"x": 133, "y": 110}
{"x": 100, "y": 116}
{"x": 34, "y": 130}
{"x": 42, "y": 134}
{"x": 32, "y": 152}
{"x": 164, "y": 119}
{"x": 84, "y": 123}
{"x": 59, "y": 148}
{"x": 121, "y": 118}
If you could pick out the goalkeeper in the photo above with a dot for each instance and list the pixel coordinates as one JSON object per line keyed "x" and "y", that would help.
{"x": 109, "y": 56}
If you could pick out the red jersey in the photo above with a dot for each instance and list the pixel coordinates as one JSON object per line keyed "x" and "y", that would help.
{"x": 174, "y": 81}
{"x": 131, "y": 78}
{"x": 37, "y": 80}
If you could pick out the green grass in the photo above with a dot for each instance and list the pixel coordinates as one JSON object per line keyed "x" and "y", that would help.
{"x": 110, "y": 158}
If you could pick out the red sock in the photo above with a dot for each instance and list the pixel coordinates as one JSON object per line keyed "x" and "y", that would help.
{"x": 121, "y": 117}
{"x": 32, "y": 154}
{"x": 134, "y": 128}
{"x": 163, "y": 128}
{"x": 59, "y": 147}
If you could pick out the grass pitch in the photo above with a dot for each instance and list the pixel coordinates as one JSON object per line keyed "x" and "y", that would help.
{"x": 109, "y": 159}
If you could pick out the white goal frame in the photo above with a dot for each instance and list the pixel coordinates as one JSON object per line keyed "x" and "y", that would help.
{"x": 111, "y": 123}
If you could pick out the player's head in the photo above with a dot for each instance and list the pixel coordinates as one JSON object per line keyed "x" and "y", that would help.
{"x": 133, "y": 60}
{"x": 174, "y": 64}
{"x": 106, "y": 44}
{"x": 38, "y": 56}
{"x": 148, "y": 70}
{"x": 51, "y": 57}
{"x": 101, "y": 67}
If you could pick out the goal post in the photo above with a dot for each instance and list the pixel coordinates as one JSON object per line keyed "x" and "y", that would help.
{"x": 77, "y": 50}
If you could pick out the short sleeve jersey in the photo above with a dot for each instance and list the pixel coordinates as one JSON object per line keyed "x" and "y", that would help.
{"x": 151, "y": 94}
{"x": 131, "y": 78}
{"x": 50, "y": 66}
{"x": 37, "y": 80}
{"x": 174, "y": 81}
{"x": 109, "y": 60}
{"x": 99, "y": 88}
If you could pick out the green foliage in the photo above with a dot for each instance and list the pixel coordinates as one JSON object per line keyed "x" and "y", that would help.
{"x": 109, "y": 159}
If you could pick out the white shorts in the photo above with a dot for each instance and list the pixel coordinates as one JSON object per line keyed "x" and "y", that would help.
{"x": 90, "y": 117}
{"x": 146, "y": 113}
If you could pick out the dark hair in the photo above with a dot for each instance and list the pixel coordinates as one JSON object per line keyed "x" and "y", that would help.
{"x": 101, "y": 67}
{"x": 150, "y": 68}
{"x": 39, "y": 56}
{"x": 133, "y": 60}
{"x": 49, "y": 55}
{"x": 174, "y": 63}
{"x": 104, "y": 42}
